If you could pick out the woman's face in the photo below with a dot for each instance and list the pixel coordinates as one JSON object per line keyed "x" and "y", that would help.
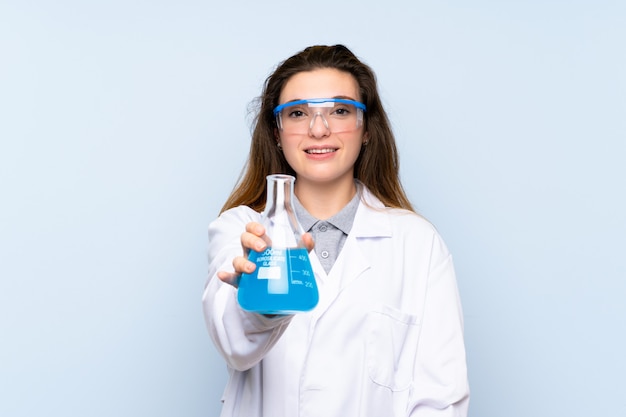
{"x": 321, "y": 155}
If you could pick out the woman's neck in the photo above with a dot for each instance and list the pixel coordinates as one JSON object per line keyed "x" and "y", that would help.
{"x": 323, "y": 201}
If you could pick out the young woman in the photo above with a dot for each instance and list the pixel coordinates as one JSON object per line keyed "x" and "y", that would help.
{"x": 386, "y": 338}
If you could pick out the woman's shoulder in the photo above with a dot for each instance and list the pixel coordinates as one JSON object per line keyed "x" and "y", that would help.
{"x": 240, "y": 211}
{"x": 236, "y": 216}
{"x": 399, "y": 217}
{"x": 409, "y": 220}
{"x": 416, "y": 230}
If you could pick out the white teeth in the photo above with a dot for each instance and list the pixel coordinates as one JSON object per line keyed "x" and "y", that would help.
{"x": 328, "y": 150}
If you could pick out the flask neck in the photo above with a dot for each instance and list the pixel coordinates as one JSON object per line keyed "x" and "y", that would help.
{"x": 279, "y": 218}
{"x": 279, "y": 193}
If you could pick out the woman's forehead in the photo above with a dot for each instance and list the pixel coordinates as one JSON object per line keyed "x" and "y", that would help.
{"x": 320, "y": 83}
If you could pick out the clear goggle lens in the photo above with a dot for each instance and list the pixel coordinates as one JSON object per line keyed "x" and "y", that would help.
{"x": 337, "y": 115}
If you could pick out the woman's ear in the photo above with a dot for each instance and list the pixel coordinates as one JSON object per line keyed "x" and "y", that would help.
{"x": 277, "y": 138}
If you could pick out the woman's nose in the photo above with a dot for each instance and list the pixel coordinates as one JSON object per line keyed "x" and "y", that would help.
{"x": 319, "y": 128}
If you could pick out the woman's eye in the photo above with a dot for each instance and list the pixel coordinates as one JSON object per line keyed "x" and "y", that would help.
{"x": 296, "y": 113}
{"x": 341, "y": 111}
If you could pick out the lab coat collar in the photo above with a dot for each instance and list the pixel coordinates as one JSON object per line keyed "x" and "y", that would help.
{"x": 371, "y": 220}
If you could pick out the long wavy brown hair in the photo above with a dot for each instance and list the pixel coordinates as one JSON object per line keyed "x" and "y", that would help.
{"x": 377, "y": 165}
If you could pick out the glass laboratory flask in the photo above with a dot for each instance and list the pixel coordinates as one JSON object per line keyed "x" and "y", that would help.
{"x": 283, "y": 281}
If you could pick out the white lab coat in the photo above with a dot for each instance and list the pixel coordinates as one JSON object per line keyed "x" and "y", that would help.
{"x": 385, "y": 340}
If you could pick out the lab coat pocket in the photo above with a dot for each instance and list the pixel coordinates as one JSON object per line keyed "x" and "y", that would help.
{"x": 391, "y": 347}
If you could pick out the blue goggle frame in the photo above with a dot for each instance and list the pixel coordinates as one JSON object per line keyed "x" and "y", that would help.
{"x": 356, "y": 104}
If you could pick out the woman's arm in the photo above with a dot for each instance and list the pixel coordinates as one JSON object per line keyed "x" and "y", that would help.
{"x": 242, "y": 338}
{"x": 441, "y": 386}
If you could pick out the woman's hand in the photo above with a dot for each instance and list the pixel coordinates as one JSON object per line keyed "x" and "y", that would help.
{"x": 253, "y": 239}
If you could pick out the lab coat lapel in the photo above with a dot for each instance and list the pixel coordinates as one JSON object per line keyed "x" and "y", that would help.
{"x": 350, "y": 264}
{"x": 370, "y": 221}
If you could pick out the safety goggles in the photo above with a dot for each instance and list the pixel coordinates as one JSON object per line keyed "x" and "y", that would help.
{"x": 337, "y": 114}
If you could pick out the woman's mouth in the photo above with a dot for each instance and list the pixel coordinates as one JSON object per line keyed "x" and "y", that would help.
{"x": 320, "y": 151}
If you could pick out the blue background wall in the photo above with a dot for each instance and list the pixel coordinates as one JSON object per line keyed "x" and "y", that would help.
{"x": 124, "y": 125}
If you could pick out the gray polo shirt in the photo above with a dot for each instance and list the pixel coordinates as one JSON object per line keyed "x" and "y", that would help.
{"x": 330, "y": 234}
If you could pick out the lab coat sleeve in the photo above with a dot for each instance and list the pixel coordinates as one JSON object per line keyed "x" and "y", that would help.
{"x": 441, "y": 386}
{"x": 242, "y": 338}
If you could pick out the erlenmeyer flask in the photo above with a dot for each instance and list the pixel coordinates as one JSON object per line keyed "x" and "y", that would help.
{"x": 283, "y": 281}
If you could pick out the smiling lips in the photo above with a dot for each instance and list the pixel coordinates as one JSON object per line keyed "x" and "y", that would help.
{"x": 320, "y": 151}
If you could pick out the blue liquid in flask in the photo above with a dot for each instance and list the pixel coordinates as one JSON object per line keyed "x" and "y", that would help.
{"x": 282, "y": 283}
